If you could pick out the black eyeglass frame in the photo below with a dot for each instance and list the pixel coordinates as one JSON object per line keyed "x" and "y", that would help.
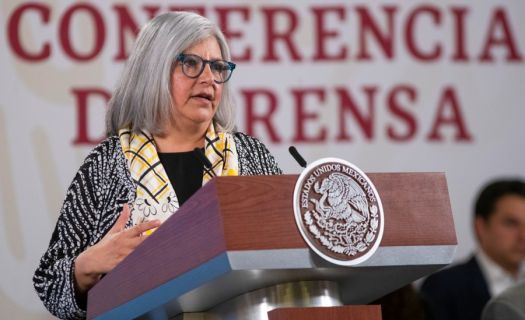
{"x": 182, "y": 56}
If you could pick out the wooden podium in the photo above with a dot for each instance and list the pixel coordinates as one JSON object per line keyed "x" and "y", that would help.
{"x": 238, "y": 235}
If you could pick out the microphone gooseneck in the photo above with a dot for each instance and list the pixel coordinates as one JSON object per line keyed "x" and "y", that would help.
{"x": 204, "y": 160}
{"x": 295, "y": 154}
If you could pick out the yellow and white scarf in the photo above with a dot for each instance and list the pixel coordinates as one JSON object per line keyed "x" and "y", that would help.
{"x": 155, "y": 196}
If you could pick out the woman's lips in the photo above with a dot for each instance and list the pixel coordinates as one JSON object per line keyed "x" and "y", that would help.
{"x": 202, "y": 99}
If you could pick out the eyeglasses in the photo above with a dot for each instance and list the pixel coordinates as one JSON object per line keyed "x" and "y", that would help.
{"x": 193, "y": 65}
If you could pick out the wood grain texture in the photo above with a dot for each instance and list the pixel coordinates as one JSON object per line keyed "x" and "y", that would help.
{"x": 416, "y": 207}
{"x": 357, "y": 312}
{"x": 261, "y": 213}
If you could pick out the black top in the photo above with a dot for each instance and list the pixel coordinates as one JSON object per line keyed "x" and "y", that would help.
{"x": 184, "y": 170}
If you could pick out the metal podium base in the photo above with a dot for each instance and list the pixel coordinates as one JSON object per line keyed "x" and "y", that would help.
{"x": 256, "y": 304}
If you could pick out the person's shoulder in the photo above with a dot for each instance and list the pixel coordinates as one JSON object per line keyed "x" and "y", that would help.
{"x": 248, "y": 140}
{"x": 455, "y": 274}
{"x": 108, "y": 149}
{"x": 513, "y": 295}
{"x": 459, "y": 268}
{"x": 254, "y": 157}
{"x": 247, "y": 143}
{"x": 507, "y": 305}
{"x": 108, "y": 145}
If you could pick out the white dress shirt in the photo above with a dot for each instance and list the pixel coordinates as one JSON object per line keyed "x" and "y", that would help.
{"x": 498, "y": 279}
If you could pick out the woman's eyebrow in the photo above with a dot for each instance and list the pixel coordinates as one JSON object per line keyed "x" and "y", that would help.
{"x": 198, "y": 55}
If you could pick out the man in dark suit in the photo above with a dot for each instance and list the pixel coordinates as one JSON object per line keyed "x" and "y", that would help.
{"x": 461, "y": 292}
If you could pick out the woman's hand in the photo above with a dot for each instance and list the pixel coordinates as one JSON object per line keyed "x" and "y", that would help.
{"x": 116, "y": 245}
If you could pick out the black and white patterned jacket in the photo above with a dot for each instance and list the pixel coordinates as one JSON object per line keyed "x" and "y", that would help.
{"x": 93, "y": 202}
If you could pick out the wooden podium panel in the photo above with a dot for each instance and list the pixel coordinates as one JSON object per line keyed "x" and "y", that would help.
{"x": 416, "y": 205}
{"x": 238, "y": 234}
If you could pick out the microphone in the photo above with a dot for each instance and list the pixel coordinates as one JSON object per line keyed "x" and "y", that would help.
{"x": 205, "y": 161}
{"x": 295, "y": 154}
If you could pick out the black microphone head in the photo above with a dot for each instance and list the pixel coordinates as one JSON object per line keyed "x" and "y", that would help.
{"x": 295, "y": 154}
{"x": 202, "y": 158}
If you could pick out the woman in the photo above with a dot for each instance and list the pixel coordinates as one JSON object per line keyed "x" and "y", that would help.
{"x": 172, "y": 98}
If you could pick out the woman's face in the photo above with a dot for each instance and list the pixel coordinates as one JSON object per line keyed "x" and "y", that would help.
{"x": 195, "y": 101}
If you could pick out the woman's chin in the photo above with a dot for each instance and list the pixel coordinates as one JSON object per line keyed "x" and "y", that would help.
{"x": 203, "y": 118}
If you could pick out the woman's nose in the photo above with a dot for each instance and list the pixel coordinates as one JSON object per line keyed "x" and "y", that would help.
{"x": 207, "y": 74}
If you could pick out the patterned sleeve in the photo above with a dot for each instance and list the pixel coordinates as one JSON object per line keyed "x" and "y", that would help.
{"x": 254, "y": 157}
{"x": 75, "y": 230}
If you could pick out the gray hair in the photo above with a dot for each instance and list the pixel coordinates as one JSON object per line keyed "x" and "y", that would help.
{"x": 142, "y": 98}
